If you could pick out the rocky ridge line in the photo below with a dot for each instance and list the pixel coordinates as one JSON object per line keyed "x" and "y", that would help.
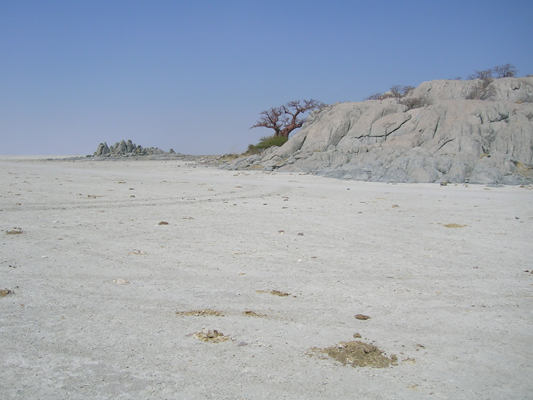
{"x": 445, "y": 130}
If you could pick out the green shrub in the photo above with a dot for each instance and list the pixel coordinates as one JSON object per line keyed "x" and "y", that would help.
{"x": 265, "y": 143}
{"x": 252, "y": 150}
{"x": 269, "y": 141}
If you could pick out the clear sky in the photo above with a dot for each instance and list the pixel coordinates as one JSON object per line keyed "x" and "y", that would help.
{"x": 194, "y": 75}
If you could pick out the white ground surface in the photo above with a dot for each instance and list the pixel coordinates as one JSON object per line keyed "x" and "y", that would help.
{"x": 454, "y": 304}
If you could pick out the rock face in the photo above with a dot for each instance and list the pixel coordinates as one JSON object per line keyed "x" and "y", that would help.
{"x": 441, "y": 131}
{"x": 127, "y": 148}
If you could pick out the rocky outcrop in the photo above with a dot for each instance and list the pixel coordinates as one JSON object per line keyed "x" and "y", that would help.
{"x": 504, "y": 89}
{"x": 127, "y": 148}
{"x": 441, "y": 131}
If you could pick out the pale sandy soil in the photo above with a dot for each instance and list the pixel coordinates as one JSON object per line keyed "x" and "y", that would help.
{"x": 454, "y": 304}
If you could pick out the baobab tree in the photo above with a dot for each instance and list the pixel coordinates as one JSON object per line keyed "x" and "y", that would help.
{"x": 284, "y": 119}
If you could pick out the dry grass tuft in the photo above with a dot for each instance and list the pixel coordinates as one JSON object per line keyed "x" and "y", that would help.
{"x": 201, "y": 313}
{"x": 249, "y": 313}
{"x": 280, "y": 294}
{"x": 358, "y": 354}
{"x": 211, "y": 335}
{"x": 454, "y": 225}
{"x": 274, "y": 292}
{"x": 5, "y": 292}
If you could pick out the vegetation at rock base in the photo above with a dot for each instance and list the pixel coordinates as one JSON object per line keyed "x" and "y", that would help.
{"x": 265, "y": 143}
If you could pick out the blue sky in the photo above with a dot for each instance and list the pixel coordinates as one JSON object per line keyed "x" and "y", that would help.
{"x": 194, "y": 75}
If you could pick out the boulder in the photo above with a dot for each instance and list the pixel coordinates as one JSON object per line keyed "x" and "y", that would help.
{"x": 102, "y": 150}
{"x": 122, "y": 148}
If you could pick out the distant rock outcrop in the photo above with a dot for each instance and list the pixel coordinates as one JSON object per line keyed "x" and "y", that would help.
{"x": 458, "y": 131}
{"x": 127, "y": 148}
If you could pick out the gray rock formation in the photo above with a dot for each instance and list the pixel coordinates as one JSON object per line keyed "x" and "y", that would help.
{"x": 102, "y": 149}
{"x": 127, "y": 149}
{"x": 449, "y": 137}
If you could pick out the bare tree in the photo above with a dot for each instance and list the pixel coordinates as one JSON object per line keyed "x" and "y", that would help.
{"x": 396, "y": 91}
{"x": 284, "y": 119}
{"x": 375, "y": 96}
{"x": 406, "y": 90}
{"x": 486, "y": 74}
{"x": 505, "y": 71}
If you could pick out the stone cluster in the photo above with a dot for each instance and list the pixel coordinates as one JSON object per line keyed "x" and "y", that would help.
{"x": 127, "y": 148}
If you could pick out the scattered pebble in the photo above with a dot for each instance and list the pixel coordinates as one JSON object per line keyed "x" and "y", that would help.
{"x": 362, "y": 317}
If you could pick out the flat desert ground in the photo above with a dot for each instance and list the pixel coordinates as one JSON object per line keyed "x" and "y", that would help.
{"x": 112, "y": 270}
